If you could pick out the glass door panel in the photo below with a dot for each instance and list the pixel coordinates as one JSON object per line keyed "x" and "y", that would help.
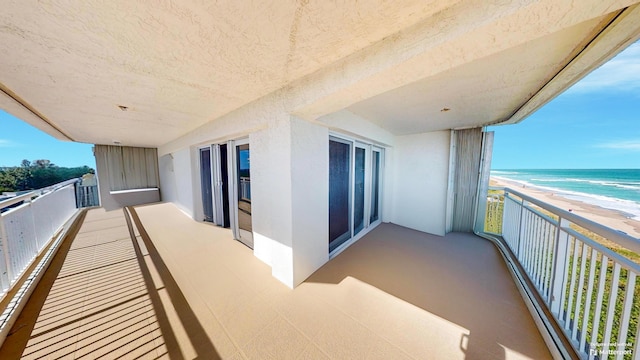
{"x": 206, "y": 184}
{"x": 375, "y": 186}
{"x": 339, "y": 193}
{"x": 219, "y": 165}
{"x": 243, "y": 194}
{"x": 359, "y": 192}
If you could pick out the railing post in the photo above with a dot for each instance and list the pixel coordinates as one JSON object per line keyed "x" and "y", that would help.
{"x": 559, "y": 273}
{"x": 521, "y": 231}
{"x": 78, "y": 190}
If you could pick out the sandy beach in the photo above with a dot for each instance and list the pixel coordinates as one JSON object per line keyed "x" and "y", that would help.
{"x": 607, "y": 217}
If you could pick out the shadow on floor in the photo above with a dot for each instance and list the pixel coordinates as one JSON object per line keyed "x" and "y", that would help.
{"x": 106, "y": 295}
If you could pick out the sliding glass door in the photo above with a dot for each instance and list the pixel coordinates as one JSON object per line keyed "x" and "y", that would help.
{"x": 359, "y": 191}
{"x": 354, "y": 189}
{"x": 206, "y": 183}
{"x": 214, "y": 184}
{"x": 339, "y": 192}
{"x": 376, "y": 161}
{"x": 242, "y": 162}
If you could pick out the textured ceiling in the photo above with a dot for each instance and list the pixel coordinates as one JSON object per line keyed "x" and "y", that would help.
{"x": 69, "y": 67}
{"x": 175, "y": 64}
{"x": 476, "y": 93}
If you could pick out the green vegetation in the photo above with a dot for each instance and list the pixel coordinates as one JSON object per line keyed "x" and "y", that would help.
{"x": 37, "y": 174}
{"x": 493, "y": 220}
{"x": 493, "y": 224}
{"x": 618, "y": 304}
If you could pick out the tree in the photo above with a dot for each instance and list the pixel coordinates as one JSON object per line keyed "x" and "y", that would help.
{"x": 43, "y": 164}
{"x": 7, "y": 181}
{"x": 37, "y": 174}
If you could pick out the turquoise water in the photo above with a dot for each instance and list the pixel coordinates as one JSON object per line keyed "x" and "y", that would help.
{"x": 616, "y": 189}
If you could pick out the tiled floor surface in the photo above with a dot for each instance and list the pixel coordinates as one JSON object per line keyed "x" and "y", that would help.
{"x": 194, "y": 292}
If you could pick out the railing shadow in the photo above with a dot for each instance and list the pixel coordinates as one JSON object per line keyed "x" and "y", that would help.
{"x": 198, "y": 337}
{"x": 98, "y": 299}
{"x": 20, "y": 333}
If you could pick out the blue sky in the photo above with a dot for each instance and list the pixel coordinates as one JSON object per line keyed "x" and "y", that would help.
{"x": 593, "y": 125}
{"x": 19, "y": 140}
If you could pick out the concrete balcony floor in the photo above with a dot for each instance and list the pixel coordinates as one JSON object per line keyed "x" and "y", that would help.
{"x": 188, "y": 290}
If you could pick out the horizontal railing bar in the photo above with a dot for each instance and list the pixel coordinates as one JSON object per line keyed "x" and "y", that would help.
{"x": 545, "y": 217}
{"x": 60, "y": 185}
{"x": 611, "y": 254}
{"x": 16, "y": 199}
{"x": 613, "y": 235}
{"x": 28, "y": 196}
{"x": 47, "y": 191}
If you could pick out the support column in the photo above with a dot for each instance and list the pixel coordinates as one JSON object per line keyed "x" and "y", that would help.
{"x": 289, "y": 169}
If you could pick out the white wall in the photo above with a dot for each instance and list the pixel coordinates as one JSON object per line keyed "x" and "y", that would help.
{"x": 177, "y": 178}
{"x": 289, "y": 179}
{"x": 420, "y": 175}
{"x": 351, "y": 124}
{"x": 289, "y": 190}
{"x": 271, "y": 197}
{"x": 310, "y": 200}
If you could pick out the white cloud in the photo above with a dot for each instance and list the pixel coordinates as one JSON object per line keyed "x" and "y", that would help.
{"x": 622, "y": 73}
{"x": 629, "y": 145}
{"x": 6, "y": 143}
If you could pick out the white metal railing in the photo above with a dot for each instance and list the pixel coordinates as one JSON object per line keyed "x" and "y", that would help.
{"x": 87, "y": 195}
{"x": 28, "y": 223}
{"x": 590, "y": 289}
{"x": 245, "y": 188}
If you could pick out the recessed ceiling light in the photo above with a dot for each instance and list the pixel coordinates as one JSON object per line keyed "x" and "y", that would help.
{"x": 123, "y": 108}
{"x": 445, "y": 109}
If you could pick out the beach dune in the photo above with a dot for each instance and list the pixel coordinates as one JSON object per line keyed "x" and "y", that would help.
{"x": 607, "y": 217}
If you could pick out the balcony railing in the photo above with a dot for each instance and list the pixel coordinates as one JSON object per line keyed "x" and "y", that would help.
{"x": 28, "y": 222}
{"x": 578, "y": 268}
{"x": 245, "y": 188}
{"x": 87, "y": 195}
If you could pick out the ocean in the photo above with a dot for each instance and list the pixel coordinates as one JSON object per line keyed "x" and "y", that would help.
{"x": 615, "y": 189}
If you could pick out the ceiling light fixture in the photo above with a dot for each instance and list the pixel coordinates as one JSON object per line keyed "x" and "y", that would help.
{"x": 445, "y": 109}
{"x": 123, "y": 108}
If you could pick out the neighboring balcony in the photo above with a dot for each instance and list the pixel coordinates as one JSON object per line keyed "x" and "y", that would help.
{"x": 149, "y": 282}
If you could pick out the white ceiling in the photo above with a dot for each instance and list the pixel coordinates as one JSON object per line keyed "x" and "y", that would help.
{"x": 177, "y": 65}
{"x": 476, "y": 93}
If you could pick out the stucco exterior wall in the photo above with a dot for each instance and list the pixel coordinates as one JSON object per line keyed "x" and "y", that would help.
{"x": 290, "y": 182}
{"x": 271, "y": 197}
{"x": 349, "y": 123}
{"x": 310, "y": 194}
{"x": 420, "y": 175}
{"x": 177, "y": 182}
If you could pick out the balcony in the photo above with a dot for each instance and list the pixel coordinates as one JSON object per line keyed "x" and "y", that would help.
{"x": 149, "y": 282}
{"x": 581, "y": 272}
